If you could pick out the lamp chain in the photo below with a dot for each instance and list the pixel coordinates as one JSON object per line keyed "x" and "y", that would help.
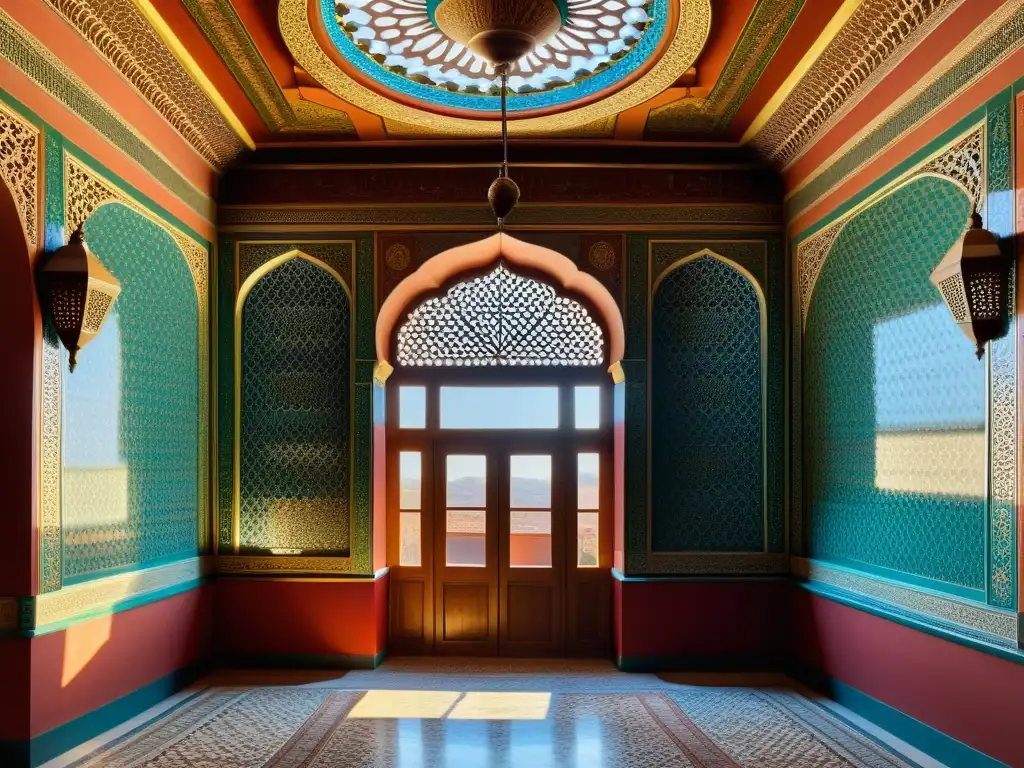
{"x": 503, "y": 69}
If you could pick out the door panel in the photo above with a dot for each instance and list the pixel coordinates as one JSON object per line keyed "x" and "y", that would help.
{"x": 465, "y": 552}
{"x": 532, "y": 532}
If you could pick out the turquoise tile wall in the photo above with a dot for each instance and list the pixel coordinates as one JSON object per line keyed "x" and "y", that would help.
{"x": 707, "y": 455}
{"x": 895, "y": 402}
{"x": 130, "y": 410}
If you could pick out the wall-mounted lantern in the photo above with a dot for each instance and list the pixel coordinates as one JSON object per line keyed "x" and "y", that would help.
{"x": 973, "y": 279}
{"x": 79, "y": 292}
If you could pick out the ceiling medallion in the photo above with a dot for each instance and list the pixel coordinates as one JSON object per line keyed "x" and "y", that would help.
{"x": 404, "y": 37}
{"x": 392, "y": 58}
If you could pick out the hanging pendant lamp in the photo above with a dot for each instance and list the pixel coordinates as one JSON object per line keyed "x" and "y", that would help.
{"x": 501, "y": 31}
{"x": 504, "y": 192}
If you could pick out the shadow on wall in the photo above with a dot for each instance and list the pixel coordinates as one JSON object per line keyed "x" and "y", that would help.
{"x": 131, "y": 410}
{"x": 895, "y": 402}
{"x": 20, "y": 321}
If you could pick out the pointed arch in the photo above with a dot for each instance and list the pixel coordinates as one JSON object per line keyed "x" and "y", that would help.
{"x": 727, "y": 397}
{"x": 478, "y": 256}
{"x": 278, "y": 500}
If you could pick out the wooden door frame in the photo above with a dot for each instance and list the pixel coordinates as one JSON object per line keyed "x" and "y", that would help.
{"x": 564, "y": 442}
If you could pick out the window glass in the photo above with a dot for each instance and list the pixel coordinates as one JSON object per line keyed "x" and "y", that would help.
{"x": 586, "y": 539}
{"x": 410, "y": 478}
{"x": 499, "y": 407}
{"x": 588, "y": 407}
{"x": 588, "y": 481}
{"x": 412, "y": 407}
{"x": 410, "y": 543}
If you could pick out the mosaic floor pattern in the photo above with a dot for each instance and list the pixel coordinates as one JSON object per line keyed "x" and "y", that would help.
{"x": 464, "y": 716}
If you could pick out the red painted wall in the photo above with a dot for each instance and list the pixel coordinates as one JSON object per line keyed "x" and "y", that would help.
{"x": 15, "y": 683}
{"x": 19, "y": 405}
{"x": 975, "y": 697}
{"x": 715, "y": 619}
{"x": 300, "y": 617}
{"x": 92, "y": 663}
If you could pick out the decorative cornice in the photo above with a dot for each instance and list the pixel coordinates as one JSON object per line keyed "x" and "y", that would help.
{"x": 764, "y": 32}
{"x": 926, "y": 604}
{"x": 227, "y": 34}
{"x": 33, "y": 59}
{"x": 122, "y": 34}
{"x": 19, "y": 168}
{"x": 990, "y": 43}
{"x": 879, "y": 34}
{"x": 422, "y": 217}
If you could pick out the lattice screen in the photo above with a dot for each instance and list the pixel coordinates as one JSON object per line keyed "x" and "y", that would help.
{"x": 500, "y": 319}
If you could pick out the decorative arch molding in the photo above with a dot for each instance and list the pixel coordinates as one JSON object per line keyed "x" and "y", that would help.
{"x": 85, "y": 192}
{"x": 961, "y": 163}
{"x": 19, "y": 169}
{"x": 478, "y": 256}
{"x": 269, "y": 266}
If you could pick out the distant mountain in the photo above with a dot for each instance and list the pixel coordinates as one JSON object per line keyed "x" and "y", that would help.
{"x": 528, "y": 492}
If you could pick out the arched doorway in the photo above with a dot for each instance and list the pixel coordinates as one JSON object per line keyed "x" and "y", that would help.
{"x": 500, "y": 454}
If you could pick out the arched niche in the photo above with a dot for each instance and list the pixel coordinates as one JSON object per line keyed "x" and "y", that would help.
{"x": 480, "y": 257}
{"x": 293, "y": 409}
{"x": 708, "y": 408}
{"x": 131, "y": 437}
{"x": 895, "y": 403}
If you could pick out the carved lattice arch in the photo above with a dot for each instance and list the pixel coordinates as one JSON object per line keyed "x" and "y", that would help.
{"x": 499, "y": 317}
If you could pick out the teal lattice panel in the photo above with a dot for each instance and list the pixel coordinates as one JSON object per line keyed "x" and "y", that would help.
{"x": 707, "y": 411}
{"x": 131, "y": 409}
{"x": 894, "y": 401}
{"x": 295, "y": 450}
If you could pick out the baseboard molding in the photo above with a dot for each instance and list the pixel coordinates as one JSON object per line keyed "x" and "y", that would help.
{"x": 757, "y": 662}
{"x": 931, "y": 741}
{"x": 46, "y": 746}
{"x": 300, "y": 660}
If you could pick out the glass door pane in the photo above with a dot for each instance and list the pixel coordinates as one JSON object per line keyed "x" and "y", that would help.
{"x": 588, "y": 469}
{"x": 466, "y": 515}
{"x": 530, "y": 511}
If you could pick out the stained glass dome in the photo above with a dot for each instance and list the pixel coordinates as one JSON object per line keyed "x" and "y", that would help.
{"x": 395, "y": 43}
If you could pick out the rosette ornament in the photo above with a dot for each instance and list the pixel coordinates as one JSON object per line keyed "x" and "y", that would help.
{"x": 500, "y": 31}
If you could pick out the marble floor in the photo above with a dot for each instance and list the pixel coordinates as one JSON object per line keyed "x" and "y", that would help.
{"x": 421, "y": 713}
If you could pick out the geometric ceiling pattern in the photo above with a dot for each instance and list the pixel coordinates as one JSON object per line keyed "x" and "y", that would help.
{"x": 772, "y": 74}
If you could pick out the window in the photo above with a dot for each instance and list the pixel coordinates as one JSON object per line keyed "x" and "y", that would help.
{"x": 588, "y": 496}
{"x": 499, "y": 407}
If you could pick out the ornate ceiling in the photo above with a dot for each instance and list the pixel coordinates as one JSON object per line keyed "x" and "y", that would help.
{"x": 237, "y": 74}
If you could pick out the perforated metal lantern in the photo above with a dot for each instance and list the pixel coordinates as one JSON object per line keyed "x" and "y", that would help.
{"x": 501, "y": 31}
{"x": 973, "y": 279}
{"x": 79, "y": 291}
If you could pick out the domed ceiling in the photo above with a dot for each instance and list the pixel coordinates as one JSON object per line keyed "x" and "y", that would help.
{"x": 390, "y": 58}
{"x": 768, "y": 73}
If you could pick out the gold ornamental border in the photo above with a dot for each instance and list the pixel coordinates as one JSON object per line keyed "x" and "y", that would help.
{"x": 687, "y": 41}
